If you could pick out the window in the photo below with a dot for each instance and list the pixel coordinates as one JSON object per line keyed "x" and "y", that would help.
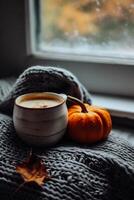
{"x": 92, "y": 38}
{"x": 87, "y": 29}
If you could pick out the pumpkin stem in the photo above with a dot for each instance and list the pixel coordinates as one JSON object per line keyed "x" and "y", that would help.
{"x": 79, "y": 102}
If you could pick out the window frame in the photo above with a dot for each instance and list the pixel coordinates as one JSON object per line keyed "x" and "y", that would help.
{"x": 108, "y": 67}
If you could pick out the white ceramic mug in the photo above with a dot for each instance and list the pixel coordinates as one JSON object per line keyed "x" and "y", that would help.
{"x": 37, "y": 123}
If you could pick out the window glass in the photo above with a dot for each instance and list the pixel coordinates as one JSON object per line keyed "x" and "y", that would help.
{"x": 87, "y": 27}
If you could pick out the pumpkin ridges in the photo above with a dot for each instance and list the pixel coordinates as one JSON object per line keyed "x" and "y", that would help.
{"x": 74, "y": 129}
{"x": 107, "y": 122}
{"x": 77, "y": 109}
{"x": 95, "y": 128}
{"x": 91, "y": 126}
{"x": 105, "y": 116}
{"x": 86, "y": 120}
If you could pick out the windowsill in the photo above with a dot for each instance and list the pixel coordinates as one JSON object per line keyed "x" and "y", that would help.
{"x": 118, "y": 106}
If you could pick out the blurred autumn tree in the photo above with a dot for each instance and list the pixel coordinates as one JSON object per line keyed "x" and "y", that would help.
{"x": 99, "y": 19}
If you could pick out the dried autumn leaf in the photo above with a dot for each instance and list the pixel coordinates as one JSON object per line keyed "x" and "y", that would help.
{"x": 33, "y": 170}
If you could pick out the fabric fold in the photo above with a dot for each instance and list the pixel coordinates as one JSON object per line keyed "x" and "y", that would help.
{"x": 45, "y": 79}
{"x": 103, "y": 171}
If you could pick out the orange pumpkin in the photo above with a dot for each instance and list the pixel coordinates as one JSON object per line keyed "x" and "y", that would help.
{"x": 87, "y": 123}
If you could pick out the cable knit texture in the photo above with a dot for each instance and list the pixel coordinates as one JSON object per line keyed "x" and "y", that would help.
{"x": 104, "y": 171}
{"x": 44, "y": 79}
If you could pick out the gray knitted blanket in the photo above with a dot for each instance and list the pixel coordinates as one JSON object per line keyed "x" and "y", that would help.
{"x": 104, "y": 171}
{"x": 38, "y": 79}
